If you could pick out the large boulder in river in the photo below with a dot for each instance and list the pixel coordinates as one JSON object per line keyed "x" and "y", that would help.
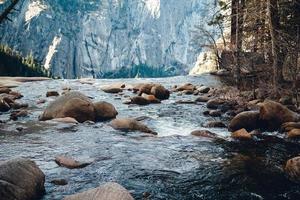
{"x": 21, "y": 179}
{"x": 109, "y": 191}
{"x": 248, "y": 120}
{"x": 130, "y": 125}
{"x": 275, "y": 114}
{"x": 79, "y": 107}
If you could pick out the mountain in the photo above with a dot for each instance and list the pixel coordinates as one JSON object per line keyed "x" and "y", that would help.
{"x": 107, "y": 38}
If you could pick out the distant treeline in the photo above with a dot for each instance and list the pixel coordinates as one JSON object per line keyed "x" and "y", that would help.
{"x": 13, "y": 64}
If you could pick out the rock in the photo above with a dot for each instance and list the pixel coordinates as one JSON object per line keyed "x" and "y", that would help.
{"x": 41, "y": 101}
{"x": 16, "y": 105}
{"x": 59, "y": 182}
{"x": 70, "y": 163}
{"x": 286, "y": 100}
{"x": 241, "y": 134}
{"x": 248, "y": 120}
{"x": 68, "y": 120}
{"x": 286, "y": 127}
{"x": 294, "y": 133}
{"x": 214, "y": 103}
{"x": 202, "y": 99}
{"x": 52, "y": 94}
{"x": 151, "y": 98}
{"x": 221, "y": 72}
{"x": 127, "y": 124}
{"x": 204, "y": 133}
{"x": 139, "y": 100}
{"x": 275, "y": 114}
{"x": 108, "y": 191}
{"x": 115, "y": 88}
{"x": 104, "y": 111}
{"x": 5, "y": 90}
{"x": 72, "y": 104}
{"x": 19, "y": 113}
{"x": 4, "y": 107}
{"x": 16, "y": 95}
{"x": 144, "y": 88}
{"x": 292, "y": 169}
{"x": 19, "y": 129}
{"x": 203, "y": 89}
{"x": 196, "y": 92}
{"x": 188, "y": 92}
{"x": 214, "y": 124}
{"x": 185, "y": 102}
{"x": 215, "y": 113}
{"x": 21, "y": 179}
{"x": 160, "y": 92}
{"x": 187, "y": 86}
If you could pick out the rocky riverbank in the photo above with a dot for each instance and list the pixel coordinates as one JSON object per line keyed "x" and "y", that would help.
{"x": 86, "y": 133}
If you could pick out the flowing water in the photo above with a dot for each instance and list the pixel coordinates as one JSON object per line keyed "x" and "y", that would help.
{"x": 173, "y": 165}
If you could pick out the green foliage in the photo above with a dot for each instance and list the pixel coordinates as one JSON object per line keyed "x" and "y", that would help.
{"x": 13, "y": 64}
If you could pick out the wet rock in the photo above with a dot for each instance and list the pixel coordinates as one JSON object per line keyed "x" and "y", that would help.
{"x": 204, "y": 133}
{"x": 139, "y": 101}
{"x": 111, "y": 89}
{"x": 292, "y": 169}
{"x": 17, "y": 105}
{"x": 241, "y": 134}
{"x": 21, "y": 179}
{"x": 294, "y": 133}
{"x": 275, "y": 114}
{"x": 202, "y": 99}
{"x": 214, "y": 103}
{"x": 70, "y": 163}
{"x": 5, "y": 90}
{"x": 4, "y": 106}
{"x": 188, "y": 92}
{"x": 127, "y": 124}
{"x": 108, "y": 191}
{"x": 52, "y": 94}
{"x": 286, "y": 127}
{"x": 16, "y": 95}
{"x": 104, "y": 111}
{"x": 59, "y": 182}
{"x": 215, "y": 113}
{"x": 68, "y": 120}
{"x": 151, "y": 98}
{"x": 41, "y": 101}
{"x": 196, "y": 92}
{"x": 187, "y": 87}
{"x": 144, "y": 88}
{"x": 203, "y": 89}
{"x": 214, "y": 124}
{"x": 20, "y": 129}
{"x": 248, "y": 120}
{"x": 185, "y": 102}
{"x": 19, "y": 113}
{"x": 206, "y": 112}
{"x": 72, "y": 104}
{"x": 160, "y": 92}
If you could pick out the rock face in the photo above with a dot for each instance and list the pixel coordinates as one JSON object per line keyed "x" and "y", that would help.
{"x": 104, "y": 38}
{"x": 109, "y": 191}
{"x": 79, "y": 107}
{"x": 21, "y": 179}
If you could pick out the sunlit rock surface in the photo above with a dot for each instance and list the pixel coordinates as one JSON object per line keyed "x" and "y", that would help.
{"x": 107, "y": 38}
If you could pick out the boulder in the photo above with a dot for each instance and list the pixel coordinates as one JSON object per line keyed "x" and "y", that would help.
{"x": 19, "y": 113}
{"x": 188, "y": 92}
{"x": 145, "y": 88}
{"x": 4, "y": 106}
{"x": 292, "y": 169}
{"x": 70, "y": 163}
{"x": 5, "y": 90}
{"x": 160, "y": 92}
{"x": 68, "y": 120}
{"x": 104, "y": 111}
{"x": 275, "y": 114}
{"x": 248, "y": 120}
{"x": 59, "y": 182}
{"x": 241, "y": 134}
{"x": 294, "y": 133}
{"x": 214, "y": 103}
{"x": 72, "y": 104}
{"x": 16, "y": 95}
{"x": 151, "y": 98}
{"x": 203, "y": 89}
{"x": 215, "y": 113}
{"x": 204, "y": 133}
{"x": 16, "y": 105}
{"x": 202, "y": 99}
{"x": 214, "y": 124}
{"x": 187, "y": 86}
{"x": 108, "y": 191}
{"x": 288, "y": 126}
{"x": 127, "y": 124}
{"x": 52, "y": 94}
{"x": 116, "y": 88}
{"x": 139, "y": 100}
{"x": 21, "y": 179}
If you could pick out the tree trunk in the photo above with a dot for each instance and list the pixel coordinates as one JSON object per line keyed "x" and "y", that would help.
{"x": 234, "y": 4}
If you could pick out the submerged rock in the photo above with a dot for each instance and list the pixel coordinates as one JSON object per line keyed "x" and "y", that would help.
{"x": 204, "y": 133}
{"x": 70, "y": 163}
{"x": 248, "y": 120}
{"x": 292, "y": 169}
{"x": 59, "y": 182}
{"x": 108, "y": 191}
{"x": 130, "y": 125}
{"x": 21, "y": 179}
